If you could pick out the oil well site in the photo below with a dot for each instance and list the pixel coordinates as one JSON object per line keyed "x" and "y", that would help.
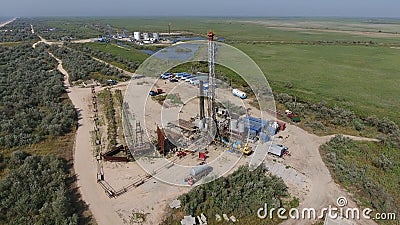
{"x": 182, "y": 130}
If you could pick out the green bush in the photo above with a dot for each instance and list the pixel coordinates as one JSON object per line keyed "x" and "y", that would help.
{"x": 387, "y": 126}
{"x": 358, "y": 124}
{"x": 36, "y": 191}
{"x": 19, "y": 30}
{"x": 367, "y": 168}
{"x": 82, "y": 66}
{"x": 240, "y": 194}
{"x": 383, "y": 162}
{"x": 33, "y": 102}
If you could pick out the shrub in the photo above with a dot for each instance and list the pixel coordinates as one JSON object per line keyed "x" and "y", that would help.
{"x": 239, "y": 194}
{"x": 372, "y": 121}
{"x": 288, "y": 85}
{"x": 315, "y": 125}
{"x": 342, "y": 157}
{"x": 36, "y": 191}
{"x": 383, "y": 162}
{"x": 358, "y": 124}
{"x": 283, "y": 98}
{"x": 32, "y": 97}
{"x": 387, "y": 126}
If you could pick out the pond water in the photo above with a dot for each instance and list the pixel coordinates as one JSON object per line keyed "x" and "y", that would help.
{"x": 182, "y": 52}
{"x": 147, "y": 51}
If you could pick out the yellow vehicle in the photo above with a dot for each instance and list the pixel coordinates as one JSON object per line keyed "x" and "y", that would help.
{"x": 247, "y": 150}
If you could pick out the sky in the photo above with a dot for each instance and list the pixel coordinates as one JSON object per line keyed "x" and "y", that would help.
{"x": 222, "y": 8}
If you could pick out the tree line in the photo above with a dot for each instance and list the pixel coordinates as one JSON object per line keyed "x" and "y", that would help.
{"x": 37, "y": 190}
{"x": 108, "y": 57}
{"x": 81, "y": 66}
{"x": 33, "y": 101}
{"x": 63, "y": 29}
{"x": 19, "y": 30}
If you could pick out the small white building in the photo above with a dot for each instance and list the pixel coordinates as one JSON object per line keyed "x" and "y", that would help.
{"x": 188, "y": 220}
{"x": 137, "y": 36}
{"x": 156, "y": 36}
{"x": 146, "y": 36}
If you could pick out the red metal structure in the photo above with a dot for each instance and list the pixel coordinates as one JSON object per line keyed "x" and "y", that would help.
{"x": 210, "y": 36}
{"x": 181, "y": 154}
{"x": 164, "y": 144}
{"x": 202, "y": 156}
{"x": 282, "y": 126}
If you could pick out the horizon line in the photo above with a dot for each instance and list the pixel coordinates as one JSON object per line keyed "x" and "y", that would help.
{"x": 209, "y": 16}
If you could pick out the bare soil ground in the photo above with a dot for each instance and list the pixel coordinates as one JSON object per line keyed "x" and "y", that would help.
{"x": 321, "y": 190}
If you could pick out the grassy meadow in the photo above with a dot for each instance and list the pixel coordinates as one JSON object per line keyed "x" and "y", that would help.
{"x": 322, "y": 65}
{"x": 128, "y": 53}
{"x": 363, "y": 79}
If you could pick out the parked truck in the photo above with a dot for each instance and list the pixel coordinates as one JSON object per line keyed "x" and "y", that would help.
{"x": 156, "y": 92}
{"x": 277, "y": 150}
{"x": 239, "y": 93}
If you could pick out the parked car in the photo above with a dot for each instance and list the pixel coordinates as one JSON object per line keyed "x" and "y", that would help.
{"x": 193, "y": 79}
{"x": 173, "y": 79}
{"x": 185, "y": 76}
{"x": 180, "y": 75}
{"x": 187, "y": 79}
{"x": 195, "y": 82}
{"x": 166, "y": 75}
{"x": 277, "y": 150}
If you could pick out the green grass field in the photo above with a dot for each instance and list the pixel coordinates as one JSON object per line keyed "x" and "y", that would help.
{"x": 127, "y": 53}
{"x": 363, "y": 79}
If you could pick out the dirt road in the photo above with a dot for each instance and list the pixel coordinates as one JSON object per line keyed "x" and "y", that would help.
{"x": 305, "y": 158}
{"x": 42, "y": 40}
{"x": 84, "y": 162}
{"x": 7, "y": 22}
{"x": 150, "y": 199}
{"x": 82, "y": 41}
